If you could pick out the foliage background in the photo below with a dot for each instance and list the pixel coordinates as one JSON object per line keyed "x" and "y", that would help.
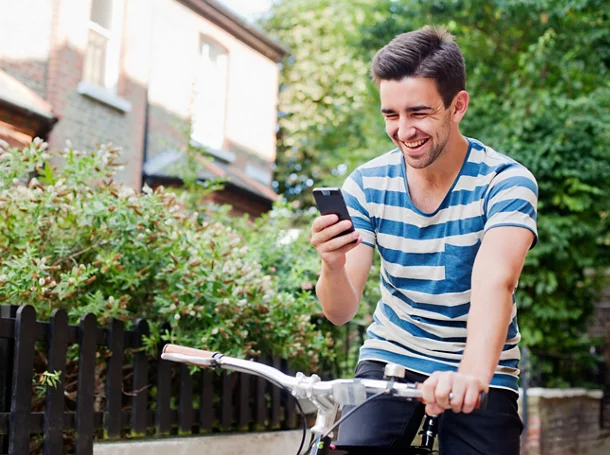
{"x": 537, "y": 73}
{"x": 538, "y": 79}
{"x": 73, "y": 239}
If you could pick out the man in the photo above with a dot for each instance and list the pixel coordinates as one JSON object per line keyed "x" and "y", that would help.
{"x": 452, "y": 220}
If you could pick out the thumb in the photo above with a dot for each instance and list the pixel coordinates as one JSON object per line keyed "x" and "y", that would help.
{"x": 433, "y": 409}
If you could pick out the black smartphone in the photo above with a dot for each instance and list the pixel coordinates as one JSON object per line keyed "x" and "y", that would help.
{"x": 330, "y": 202}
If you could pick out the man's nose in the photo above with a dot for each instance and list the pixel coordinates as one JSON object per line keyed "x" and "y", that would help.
{"x": 405, "y": 129}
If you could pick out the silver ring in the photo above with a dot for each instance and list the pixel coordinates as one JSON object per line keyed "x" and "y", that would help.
{"x": 450, "y": 396}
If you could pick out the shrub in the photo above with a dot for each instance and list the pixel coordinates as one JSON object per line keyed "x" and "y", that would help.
{"x": 73, "y": 238}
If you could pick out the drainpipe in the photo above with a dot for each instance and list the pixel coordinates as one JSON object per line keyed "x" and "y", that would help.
{"x": 145, "y": 145}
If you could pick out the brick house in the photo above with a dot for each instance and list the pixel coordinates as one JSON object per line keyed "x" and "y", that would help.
{"x": 152, "y": 76}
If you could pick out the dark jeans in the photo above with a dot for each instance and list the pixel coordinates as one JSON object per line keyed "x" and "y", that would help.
{"x": 388, "y": 425}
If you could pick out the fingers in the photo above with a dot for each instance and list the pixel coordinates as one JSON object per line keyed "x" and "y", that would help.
{"x": 449, "y": 390}
{"x": 443, "y": 388}
{"x": 458, "y": 390}
{"x": 325, "y": 228}
{"x": 325, "y": 235}
{"x": 434, "y": 410}
{"x": 428, "y": 389}
{"x": 471, "y": 400}
{"x": 322, "y": 222}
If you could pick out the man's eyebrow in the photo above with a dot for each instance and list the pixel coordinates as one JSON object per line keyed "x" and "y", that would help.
{"x": 409, "y": 109}
{"x": 418, "y": 108}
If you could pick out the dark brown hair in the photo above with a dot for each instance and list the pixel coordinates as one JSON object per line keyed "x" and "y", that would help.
{"x": 429, "y": 52}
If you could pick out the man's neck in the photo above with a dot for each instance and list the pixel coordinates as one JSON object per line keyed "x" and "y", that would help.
{"x": 444, "y": 170}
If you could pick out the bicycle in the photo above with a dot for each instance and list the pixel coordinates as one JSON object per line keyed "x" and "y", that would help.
{"x": 326, "y": 396}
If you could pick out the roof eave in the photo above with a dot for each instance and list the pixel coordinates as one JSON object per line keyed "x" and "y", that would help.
{"x": 47, "y": 120}
{"x": 228, "y": 184}
{"x": 233, "y": 24}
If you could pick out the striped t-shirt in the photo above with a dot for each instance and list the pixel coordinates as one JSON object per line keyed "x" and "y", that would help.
{"x": 427, "y": 258}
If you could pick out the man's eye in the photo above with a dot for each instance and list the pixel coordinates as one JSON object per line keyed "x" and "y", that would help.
{"x": 391, "y": 117}
{"x": 419, "y": 115}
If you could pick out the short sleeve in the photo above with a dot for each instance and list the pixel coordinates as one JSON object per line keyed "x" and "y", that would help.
{"x": 512, "y": 200}
{"x": 355, "y": 199}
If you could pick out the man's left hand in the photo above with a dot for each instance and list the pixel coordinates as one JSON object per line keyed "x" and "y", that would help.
{"x": 449, "y": 390}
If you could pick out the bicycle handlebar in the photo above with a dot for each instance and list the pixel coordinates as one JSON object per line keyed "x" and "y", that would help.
{"x": 326, "y": 396}
{"x": 343, "y": 391}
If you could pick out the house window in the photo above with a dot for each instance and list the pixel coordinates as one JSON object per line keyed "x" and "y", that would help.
{"x": 210, "y": 96}
{"x": 104, "y": 44}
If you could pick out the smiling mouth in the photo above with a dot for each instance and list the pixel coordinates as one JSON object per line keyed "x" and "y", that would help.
{"x": 415, "y": 144}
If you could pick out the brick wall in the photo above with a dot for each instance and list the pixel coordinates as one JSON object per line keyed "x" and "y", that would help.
{"x": 84, "y": 120}
{"x": 167, "y": 130}
{"x": 563, "y": 422}
{"x": 160, "y": 47}
{"x": 25, "y": 34}
{"x": 31, "y": 73}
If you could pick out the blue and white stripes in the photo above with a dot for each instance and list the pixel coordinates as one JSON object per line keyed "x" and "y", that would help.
{"x": 427, "y": 258}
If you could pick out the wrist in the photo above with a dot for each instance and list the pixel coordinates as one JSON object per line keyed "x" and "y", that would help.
{"x": 329, "y": 270}
{"x": 476, "y": 371}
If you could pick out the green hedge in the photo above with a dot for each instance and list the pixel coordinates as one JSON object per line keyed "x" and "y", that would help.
{"x": 72, "y": 238}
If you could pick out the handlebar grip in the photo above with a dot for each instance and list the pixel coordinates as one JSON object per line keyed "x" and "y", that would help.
{"x": 177, "y": 349}
{"x": 481, "y": 403}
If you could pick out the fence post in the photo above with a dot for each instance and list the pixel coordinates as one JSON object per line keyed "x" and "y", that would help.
{"x": 87, "y": 336}
{"x": 262, "y": 414}
{"x": 226, "y": 402}
{"x": 114, "y": 379}
{"x": 164, "y": 388}
{"x": 55, "y": 401}
{"x": 21, "y": 401}
{"x": 139, "y": 409}
{"x": 276, "y": 410}
{"x": 185, "y": 401}
{"x": 7, "y": 346}
{"x": 206, "y": 401}
{"x": 289, "y": 403}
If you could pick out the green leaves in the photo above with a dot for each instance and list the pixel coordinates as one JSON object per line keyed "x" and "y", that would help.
{"x": 538, "y": 75}
{"x": 71, "y": 238}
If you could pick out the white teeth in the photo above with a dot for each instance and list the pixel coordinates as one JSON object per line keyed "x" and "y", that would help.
{"x": 415, "y": 144}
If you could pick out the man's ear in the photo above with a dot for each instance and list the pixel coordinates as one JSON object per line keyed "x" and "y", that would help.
{"x": 460, "y": 105}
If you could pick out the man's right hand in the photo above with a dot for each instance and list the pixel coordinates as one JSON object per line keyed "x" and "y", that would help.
{"x": 330, "y": 248}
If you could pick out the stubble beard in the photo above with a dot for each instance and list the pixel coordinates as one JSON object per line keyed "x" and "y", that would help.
{"x": 435, "y": 150}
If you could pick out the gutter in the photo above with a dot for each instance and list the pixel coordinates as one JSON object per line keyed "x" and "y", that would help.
{"x": 227, "y": 185}
{"x": 225, "y": 19}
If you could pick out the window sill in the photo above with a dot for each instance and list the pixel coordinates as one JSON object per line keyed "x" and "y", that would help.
{"x": 103, "y": 96}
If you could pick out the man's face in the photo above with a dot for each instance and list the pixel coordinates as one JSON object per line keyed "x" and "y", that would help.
{"x": 415, "y": 119}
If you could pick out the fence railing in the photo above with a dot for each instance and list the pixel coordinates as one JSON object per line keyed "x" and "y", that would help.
{"x": 567, "y": 370}
{"x": 544, "y": 369}
{"x": 110, "y": 388}
{"x": 115, "y": 388}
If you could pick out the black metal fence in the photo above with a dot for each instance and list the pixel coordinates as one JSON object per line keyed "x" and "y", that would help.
{"x": 110, "y": 388}
{"x": 587, "y": 370}
{"x": 138, "y": 396}
{"x": 566, "y": 370}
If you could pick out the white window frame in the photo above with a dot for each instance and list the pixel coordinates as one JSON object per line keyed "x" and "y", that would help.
{"x": 200, "y": 137}
{"x": 113, "y": 47}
